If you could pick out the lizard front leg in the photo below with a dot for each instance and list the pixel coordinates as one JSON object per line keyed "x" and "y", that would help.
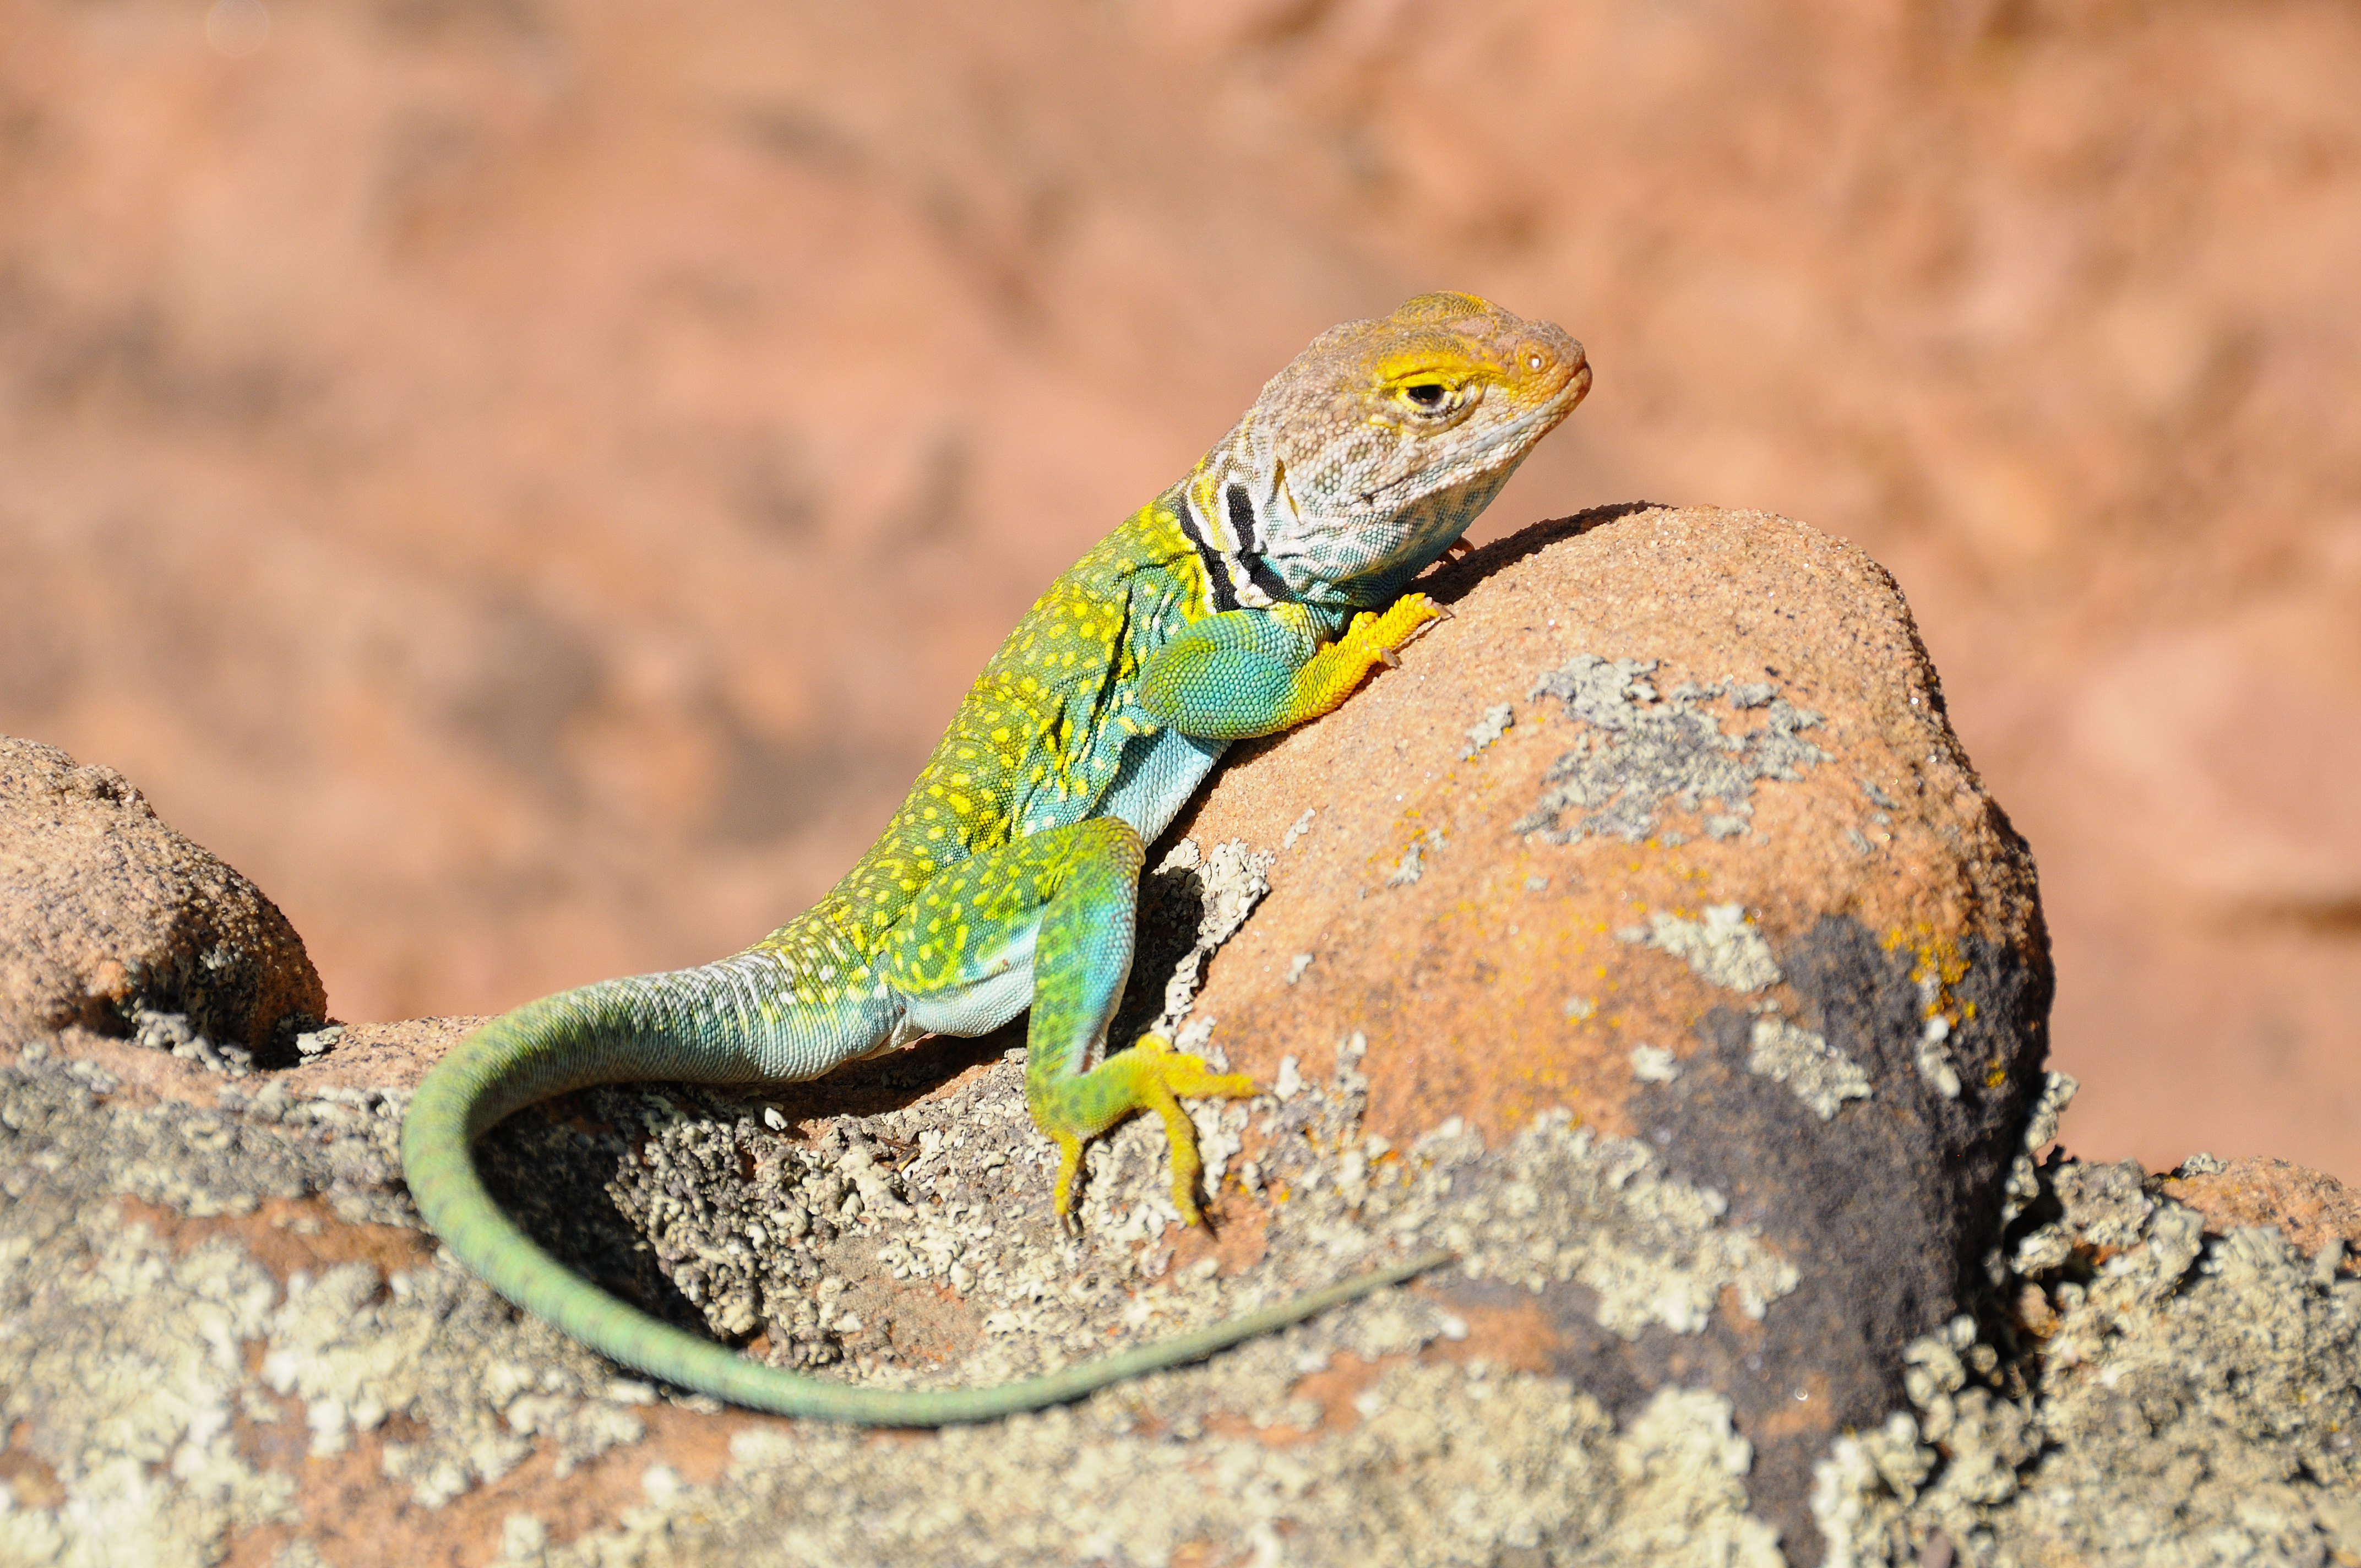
{"x": 1257, "y": 671}
{"x": 1062, "y": 903}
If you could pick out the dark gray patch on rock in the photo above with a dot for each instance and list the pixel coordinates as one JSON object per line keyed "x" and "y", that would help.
{"x": 1888, "y": 1210}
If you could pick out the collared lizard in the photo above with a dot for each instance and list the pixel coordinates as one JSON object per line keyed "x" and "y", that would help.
{"x": 1252, "y": 595}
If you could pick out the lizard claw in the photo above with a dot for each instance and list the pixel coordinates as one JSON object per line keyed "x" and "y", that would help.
{"x": 1062, "y": 1195}
{"x": 1458, "y": 549}
{"x": 1388, "y": 657}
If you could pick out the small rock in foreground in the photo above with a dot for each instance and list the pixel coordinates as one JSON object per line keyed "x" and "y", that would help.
{"x": 115, "y": 923}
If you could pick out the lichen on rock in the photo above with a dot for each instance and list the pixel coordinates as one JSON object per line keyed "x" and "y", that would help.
{"x": 1490, "y": 728}
{"x": 1821, "y": 1076}
{"x": 1665, "y": 1313}
{"x": 2153, "y": 1396}
{"x": 1720, "y": 946}
{"x": 124, "y": 1360}
{"x": 1601, "y": 1212}
{"x": 1191, "y": 903}
{"x": 1437, "y": 1467}
{"x": 1647, "y": 752}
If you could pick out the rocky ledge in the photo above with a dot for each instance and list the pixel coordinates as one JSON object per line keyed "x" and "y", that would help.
{"x": 1645, "y": 937}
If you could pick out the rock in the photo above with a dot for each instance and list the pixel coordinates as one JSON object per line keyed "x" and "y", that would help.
{"x": 224, "y": 1332}
{"x": 2313, "y": 1209}
{"x": 1721, "y": 882}
{"x": 2159, "y": 1391}
{"x": 178, "y": 1255}
{"x": 111, "y": 921}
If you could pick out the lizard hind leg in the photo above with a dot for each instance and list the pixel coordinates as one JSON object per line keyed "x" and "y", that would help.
{"x": 1080, "y": 967}
{"x": 1081, "y": 961}
{"x": 1063, "y": 902}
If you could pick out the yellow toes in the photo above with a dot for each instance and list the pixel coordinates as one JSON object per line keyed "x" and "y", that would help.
{"x": 1167, "y": 1074}
{"x": 1181, "y": 1073}
{"x": 1379, "y": 636}
{"x": 1151, "y": 1076}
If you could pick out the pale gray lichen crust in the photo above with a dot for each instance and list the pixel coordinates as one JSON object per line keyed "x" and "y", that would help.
{"x": 1644, "y": 753}
{"x": 2167, "y": 1399}
{"x": 821, "y": 1244}
{"x": 127, "y": 1366}
{"x": 1720, "y": 946}
{"x": 1817, "y": 1073}
{"x": 1490, "y": 728}
{"x": 123, "y": 1364}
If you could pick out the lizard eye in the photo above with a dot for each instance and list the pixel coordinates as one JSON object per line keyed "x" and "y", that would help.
{"x": 1427, "y": 395}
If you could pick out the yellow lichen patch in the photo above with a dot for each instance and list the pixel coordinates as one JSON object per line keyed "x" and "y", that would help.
{"x": 1937, "y": 967}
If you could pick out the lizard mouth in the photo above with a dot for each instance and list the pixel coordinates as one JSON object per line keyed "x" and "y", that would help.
{"x": 1578, "y": 379}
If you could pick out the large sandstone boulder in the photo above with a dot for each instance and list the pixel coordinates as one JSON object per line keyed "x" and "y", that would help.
{"x": 111, "y": 921}
{"x": 1644, "y": 937}
{"x": 1668, "y": 828}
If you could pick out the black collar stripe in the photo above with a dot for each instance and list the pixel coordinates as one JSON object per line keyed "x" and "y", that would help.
{"x": 1266, "y": 578}
{"x": 1242, "y": 518}
{"x": 1259, "y": 569}
{"x": 1217, "y": 576}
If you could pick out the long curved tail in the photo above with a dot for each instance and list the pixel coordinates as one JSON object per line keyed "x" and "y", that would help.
{"x": 666, "y": 1027}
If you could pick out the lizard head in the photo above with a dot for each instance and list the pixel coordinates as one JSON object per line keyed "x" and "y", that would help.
{"x": 1380, "y": 444}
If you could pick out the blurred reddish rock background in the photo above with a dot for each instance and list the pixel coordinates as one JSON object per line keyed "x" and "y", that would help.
{"x": 525, "y": 481}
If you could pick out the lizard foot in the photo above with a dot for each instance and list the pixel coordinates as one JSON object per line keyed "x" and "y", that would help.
{"x": 1377, "y": 636}
{"x": 1152, "y": 1076}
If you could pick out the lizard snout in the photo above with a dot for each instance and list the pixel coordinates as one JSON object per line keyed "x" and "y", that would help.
{"x": 1553, "y": 362}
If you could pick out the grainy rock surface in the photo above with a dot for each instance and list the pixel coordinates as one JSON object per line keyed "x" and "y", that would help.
{"x": 2155, "y": 1393}
{"x": 222, "y": 1337}
{"x": 111, "y": 921}
{"x": 2311, "y": 1209}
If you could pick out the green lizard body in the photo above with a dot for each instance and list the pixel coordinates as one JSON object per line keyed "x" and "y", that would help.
{"x": 1252, "y": 595}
